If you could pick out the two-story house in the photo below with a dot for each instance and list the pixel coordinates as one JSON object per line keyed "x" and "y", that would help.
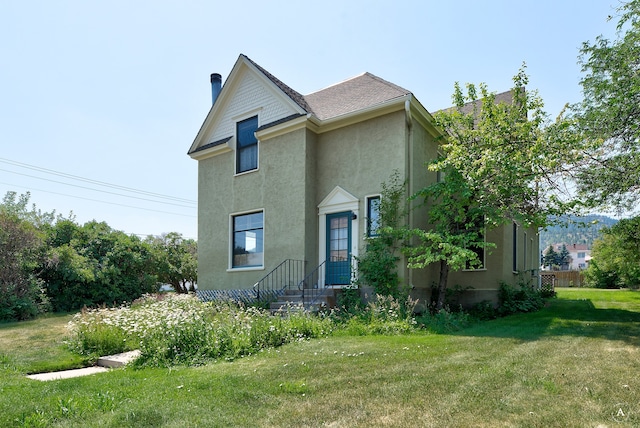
{"x": 284, "y": 176}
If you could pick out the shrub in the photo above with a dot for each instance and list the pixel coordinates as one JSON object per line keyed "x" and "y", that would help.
{"x": 385, "y": 315}
{"x": 445, "y": 320}
{"x": 180, "y": 329}
{"x": 522, "y": 298}
{"x": 349, "y": 301}
{"x": 21, "y": 294}
{"x": 596, "y": 277}
{"x": 378, "y": 267}
{"x": 484, "y": 310}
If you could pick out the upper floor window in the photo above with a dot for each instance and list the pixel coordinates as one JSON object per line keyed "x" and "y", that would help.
{"x": 247, "y": 145}
{"x": 373, "y": 215}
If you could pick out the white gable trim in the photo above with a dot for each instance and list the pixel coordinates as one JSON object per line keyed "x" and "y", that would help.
{"x": 212, "y": 151}
{"x": 239, "y": 71}
{"x": 338, "y": 200}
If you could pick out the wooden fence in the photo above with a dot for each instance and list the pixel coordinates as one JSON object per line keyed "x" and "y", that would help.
{"x": 567, "y": 278}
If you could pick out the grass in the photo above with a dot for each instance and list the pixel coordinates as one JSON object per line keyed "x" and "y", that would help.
{"x": 572, "y": 364}
{"x": 38, "y": 345}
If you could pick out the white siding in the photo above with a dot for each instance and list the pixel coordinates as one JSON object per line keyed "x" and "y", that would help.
{"x": 250, "y": 96}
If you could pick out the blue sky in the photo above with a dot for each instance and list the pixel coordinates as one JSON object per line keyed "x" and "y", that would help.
{"x": 115, "y": 91}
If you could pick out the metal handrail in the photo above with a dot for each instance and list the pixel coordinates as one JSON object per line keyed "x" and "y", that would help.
{"x": 313, "y": 285}
{"x": 284, "y": 276}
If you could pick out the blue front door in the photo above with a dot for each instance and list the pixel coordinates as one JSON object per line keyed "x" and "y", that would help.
{"x": 338, "y": 271}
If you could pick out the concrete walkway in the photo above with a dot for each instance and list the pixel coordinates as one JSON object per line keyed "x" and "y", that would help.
{"x": 104, "y": 365}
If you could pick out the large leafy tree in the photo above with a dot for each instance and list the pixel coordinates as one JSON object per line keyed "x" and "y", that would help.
{"x": 176, "y": 260}
{"x": 21, "y": 249}
{"x": 615, "y": 261}
{"x": 502, "y": 162}
{"x": 94, "y": 265}
{"x": 610, "y": 114}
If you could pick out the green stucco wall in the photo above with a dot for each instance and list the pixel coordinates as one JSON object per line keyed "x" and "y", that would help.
{"x": 278, "y": 187}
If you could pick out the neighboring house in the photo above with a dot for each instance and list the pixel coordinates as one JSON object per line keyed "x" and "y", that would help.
{"x": 579, "y": 254}
{"x": 282, "y": 176}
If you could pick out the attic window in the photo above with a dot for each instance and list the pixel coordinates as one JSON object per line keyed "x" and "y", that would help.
{"x": 247, "y": 145}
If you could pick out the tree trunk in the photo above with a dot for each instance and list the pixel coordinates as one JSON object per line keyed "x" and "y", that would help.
{"x": 442, "y": 284}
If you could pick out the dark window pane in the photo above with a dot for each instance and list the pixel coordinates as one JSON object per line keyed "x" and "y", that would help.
{"x": 248, "y": 240}
{"x": 247, "y": 145}
{"x": 373, "y": 216}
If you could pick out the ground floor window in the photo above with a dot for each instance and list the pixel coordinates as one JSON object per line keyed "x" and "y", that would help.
{"x": 248, "y": 240}
{"x": 373, "y": 215}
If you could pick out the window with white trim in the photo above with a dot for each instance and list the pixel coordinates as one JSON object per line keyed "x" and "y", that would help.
{"x": 247, "y": 240}
{"x": 246, "y": 145}
{"x": 373, "y": 215}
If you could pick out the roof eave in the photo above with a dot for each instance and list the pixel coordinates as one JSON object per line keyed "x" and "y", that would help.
{"x": 377, "y": 110}
{"x": 210, "y": 152}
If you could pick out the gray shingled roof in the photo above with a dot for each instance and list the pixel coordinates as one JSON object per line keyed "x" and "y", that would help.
{"x": 357, "y": 93}
{"x": 294, "y": 95}
{"x": 503, "y": 97}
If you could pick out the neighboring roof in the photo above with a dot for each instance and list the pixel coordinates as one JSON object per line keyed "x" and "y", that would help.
{"x": 502, "y": 97}
{"x": 357, "y": 93}
{"x": 572, "y": 247}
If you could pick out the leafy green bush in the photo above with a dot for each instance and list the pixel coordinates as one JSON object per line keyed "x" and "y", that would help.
{"x": 484, "y": 310}
{"x": 349, "y": 301}
{"x": 522, "y": 298}
{"x": 444, "y": 321}
{"x": 21, "y": 294}
{"x": 94, "y": 265}
{"x": 616, "y": 259}
{"x": 596, "y": 277}
{"x": 24, "y": 305}
{"x": 378, "y": 267}
{"x": 385, "y": 315}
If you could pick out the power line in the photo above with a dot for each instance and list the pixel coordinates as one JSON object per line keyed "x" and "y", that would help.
{"x": 103, "y": 202}
{"x": 99, "y": 183}
{"x": 95, "y": 190}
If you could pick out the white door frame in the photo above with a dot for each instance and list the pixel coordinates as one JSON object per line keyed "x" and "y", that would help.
{"x": 338, "y": 200}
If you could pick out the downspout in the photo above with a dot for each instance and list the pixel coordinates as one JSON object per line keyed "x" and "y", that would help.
{"x": 409, "y": 172}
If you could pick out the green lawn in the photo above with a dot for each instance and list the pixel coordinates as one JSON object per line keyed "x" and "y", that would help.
{"x": 573, "y": 364}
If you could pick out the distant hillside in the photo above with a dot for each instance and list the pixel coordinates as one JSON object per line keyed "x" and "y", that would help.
{"x": 575, "y": 230}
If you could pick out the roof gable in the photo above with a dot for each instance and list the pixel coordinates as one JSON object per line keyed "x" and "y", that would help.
{"x": 248, "y": 91}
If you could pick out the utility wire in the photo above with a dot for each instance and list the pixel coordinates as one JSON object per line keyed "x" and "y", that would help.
{"x": 103, "y": 202}
{"x": 99, "y": 183}
{"x": 95, "y": 190}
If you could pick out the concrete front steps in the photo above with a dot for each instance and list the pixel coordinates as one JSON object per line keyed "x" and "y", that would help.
{"x": 292, "y": 300}
{"x": 104, "y": 365}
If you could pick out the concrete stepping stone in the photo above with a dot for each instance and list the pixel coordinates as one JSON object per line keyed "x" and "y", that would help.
{"x": 104, "y": 365}
{"x": 118, "y": 360}
{"x": 66, "y": 374}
